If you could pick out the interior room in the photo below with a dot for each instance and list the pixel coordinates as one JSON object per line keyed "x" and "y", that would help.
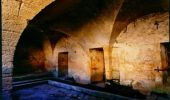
{"x": 85, "y": 49}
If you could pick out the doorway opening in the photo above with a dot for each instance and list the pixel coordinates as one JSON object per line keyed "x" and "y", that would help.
{"x": 165, "y": 55}
{"x": 97, "y": 65}
{"x": 63, "y": 64}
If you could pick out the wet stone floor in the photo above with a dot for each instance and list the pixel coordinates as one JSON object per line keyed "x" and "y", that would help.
{"x": 48, "y": 92}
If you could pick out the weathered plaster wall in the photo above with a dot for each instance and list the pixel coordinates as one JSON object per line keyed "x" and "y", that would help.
{"x": 136, "y": 52}
{"x": 78, "y": 61}
{"x": 94, "y": 34}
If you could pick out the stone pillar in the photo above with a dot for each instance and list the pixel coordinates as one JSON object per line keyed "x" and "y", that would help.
{"x": 15, "y": 14}
{"x": 9, "y": 41}
{"x": 6, "y": 83}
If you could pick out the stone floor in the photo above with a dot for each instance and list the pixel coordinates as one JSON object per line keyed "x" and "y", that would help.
{"x": 48, "y": 92}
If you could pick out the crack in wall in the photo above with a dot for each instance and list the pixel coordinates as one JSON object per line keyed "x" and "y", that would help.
{"x": 19, "y": 8}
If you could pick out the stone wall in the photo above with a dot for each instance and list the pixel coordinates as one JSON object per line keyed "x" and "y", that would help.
{"x": 137, "y": 51}
{"x": 95, "y": 34}
{"x": 78, "y": 61}
{"x": 133, "y": 52}
{"x": 15, "y": 16}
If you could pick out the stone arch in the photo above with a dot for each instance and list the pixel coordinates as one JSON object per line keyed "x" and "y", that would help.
{"x": 16, "y": 15}
{"x": 129, "y": 12}
{"x": 49, "y": 41}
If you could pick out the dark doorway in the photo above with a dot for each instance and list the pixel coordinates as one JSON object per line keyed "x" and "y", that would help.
{"x": 97, "y": 65}
{"x": 165, "y": 56}
{"x": 167, "y": 48}
{"x": 63, "y": 64}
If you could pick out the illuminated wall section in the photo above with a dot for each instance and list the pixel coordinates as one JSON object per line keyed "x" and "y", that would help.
{"x": 78, "y": 60}
{"x": 137, "y": 51}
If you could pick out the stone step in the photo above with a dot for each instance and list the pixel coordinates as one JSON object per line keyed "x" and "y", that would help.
{"x": 28, "y": 81}
{"x": 28, "y": 84}
{"x": 30, "y": 77}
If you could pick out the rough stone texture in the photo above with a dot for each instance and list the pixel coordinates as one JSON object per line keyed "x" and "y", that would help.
{"x": 7, "y": 83}
{"x": 137, "y": 52}
{"x": 6, "y": 71}
{"x": 14, "y": 21}
{"x": 15, "y": 14}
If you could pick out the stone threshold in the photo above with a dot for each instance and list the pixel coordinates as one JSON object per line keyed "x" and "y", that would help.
{"x": 95, "y": 93}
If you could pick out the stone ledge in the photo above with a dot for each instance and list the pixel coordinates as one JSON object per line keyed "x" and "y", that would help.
{"x": 89, "y": 91}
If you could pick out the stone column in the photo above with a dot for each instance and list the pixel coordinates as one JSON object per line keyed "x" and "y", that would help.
{"x": 9, "y": 41}
{"x": 15, "y": 14}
